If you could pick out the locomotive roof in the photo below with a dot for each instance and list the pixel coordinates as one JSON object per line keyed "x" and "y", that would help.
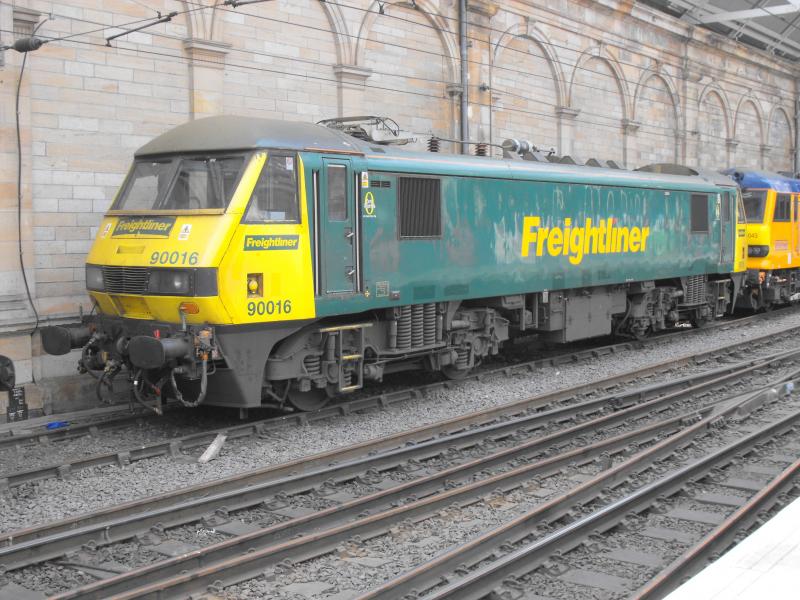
{"x": 229, "y": 133}
{"x": 763, "y": 179}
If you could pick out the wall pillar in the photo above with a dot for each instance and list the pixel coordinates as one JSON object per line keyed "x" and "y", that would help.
{"x": 17, "y": 320}
{"x": 350, "y": 89}
{"x": 566, "y": 129}
{"x": 763, "y": 153}
{"x": 454, "y": 91}
{"x": 629, "y": 129}
{"x": 206, "y": 76}
{"x": 480, "y": 68}
{"x": 730, "y": 146}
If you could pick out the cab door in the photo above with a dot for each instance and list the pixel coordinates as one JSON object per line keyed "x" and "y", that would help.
{"x": 727, "y": 233}
{"x": 338, "y": 233}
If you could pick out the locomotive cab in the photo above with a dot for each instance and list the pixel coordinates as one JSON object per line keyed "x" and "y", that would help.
{"x": 772, "y": 206}
{"x": 196, "y": 246}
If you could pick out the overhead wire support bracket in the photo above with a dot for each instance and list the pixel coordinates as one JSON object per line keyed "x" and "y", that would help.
{"x": 238, "y": 3}
{"x": 165, "y": 19}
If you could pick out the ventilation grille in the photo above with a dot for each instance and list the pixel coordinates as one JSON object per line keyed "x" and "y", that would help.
{"x": 419, "y": 206}
{"x": 381, "y": 183}
{"x": 126, "y": 280}
{"x": 695, "y": 292}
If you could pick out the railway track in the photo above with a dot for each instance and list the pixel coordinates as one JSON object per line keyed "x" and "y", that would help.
{"x": 180, "y": 447}
{"x": 378, "y": 487}
{"x": 92, "y": 422}
{"x": 583, "y": 551}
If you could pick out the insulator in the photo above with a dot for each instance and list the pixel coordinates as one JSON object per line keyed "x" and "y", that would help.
{"x": 511, "y": 145}
{"x": 27, "y": 44}
{"x": 481, "y": 149}
{"x": 433, "y": 144}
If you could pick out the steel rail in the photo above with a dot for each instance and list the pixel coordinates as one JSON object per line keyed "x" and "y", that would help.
{"x": 481, "y": 581}
{"x": 720, "y": 538}
{"x": 20, "y": 552}
{"x": 433, "y": 486}
{"x": 176, "y": 447}
{"x": 479, "y": 418}
{"x": 244, "y": 565}
{"x": 26, "y": 433}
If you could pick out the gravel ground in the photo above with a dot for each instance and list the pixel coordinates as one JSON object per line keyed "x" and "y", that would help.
{"x": 92, "y": 489}
{"x": 177, "y": 423}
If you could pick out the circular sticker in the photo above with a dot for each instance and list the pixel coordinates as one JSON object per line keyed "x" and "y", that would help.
{"x": 369, "y": 203}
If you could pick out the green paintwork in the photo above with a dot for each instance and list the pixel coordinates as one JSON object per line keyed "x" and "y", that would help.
{"x": 484, "y": 203}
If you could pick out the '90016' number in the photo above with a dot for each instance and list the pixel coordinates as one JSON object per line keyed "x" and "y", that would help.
{"x": 174, "y": 258}
{"x": 270, "y": 307}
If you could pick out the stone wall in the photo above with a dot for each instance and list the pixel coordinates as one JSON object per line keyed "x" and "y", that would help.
{"x": 608, "y": 79}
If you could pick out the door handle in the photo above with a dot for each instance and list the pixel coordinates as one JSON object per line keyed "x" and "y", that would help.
{"x": 349, "y": 234}
{"x": 351, "y": 272}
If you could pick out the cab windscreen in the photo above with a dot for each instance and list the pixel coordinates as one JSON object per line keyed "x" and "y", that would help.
{"x": 181, "y": 183}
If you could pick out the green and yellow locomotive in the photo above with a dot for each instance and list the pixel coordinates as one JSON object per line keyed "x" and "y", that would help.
{"x": 249, "y": 261}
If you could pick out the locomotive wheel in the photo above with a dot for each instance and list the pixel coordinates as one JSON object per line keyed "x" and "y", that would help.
{"x": 451, "y": 372}
{"x": 308, "y": 401}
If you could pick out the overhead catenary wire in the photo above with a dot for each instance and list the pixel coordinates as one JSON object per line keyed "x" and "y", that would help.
{"x": 248, "y": 67}
{"x": 562, "y": 63}
{"x": 612, "y": 77}
{"x": 550, "y": 43}
{"x": 671, "y": 105}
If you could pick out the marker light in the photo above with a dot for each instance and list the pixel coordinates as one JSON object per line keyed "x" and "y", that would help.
{"x": 189, "y": 308}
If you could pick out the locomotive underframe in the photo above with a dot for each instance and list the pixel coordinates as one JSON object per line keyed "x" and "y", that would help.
{"x": 765, "y": 289}
{"x": 304, "y": 362}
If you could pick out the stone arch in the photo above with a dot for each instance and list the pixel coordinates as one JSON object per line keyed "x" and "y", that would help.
{"x": 598, "y": 98}
{"x": 713, "y": 89}
{"x": 531, "y": 32}
{"x": 310, "y": 93}
{"x": 526, "y": 81}
{"x": 780, "y": 140}
{"x": 668, "y": 83}
{"x": 428, "y": 10}
{"x": 598, "y": 53}
{"x": 747, "y": 151}
{"x": 656, "y": 130}
{"x": 205, "y": 24}
{"x": 743, "y": 102}
{"x": 411, "y": 72}
{"x": 200, "y": 23}
{"x": 713, "y": 128}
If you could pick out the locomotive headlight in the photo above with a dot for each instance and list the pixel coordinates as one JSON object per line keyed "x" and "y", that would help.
{"x": 757, "y": 251}
{"x": 94, "y": 278}
{"x": 173, "y": 282}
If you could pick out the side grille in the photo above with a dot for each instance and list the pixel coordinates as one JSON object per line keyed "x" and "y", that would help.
{"x": 419, "y": 207}
{"x": 126, "y": 280}
{"x": 695, "y": 292}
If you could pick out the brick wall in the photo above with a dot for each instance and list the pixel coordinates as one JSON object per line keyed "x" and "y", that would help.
{"x": 605, "y": 79}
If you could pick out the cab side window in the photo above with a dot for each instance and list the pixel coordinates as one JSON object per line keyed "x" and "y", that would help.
{"x": 783, "y": 209}
{"x": 275, "y": 195}
{"x": 699, "y": 213}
